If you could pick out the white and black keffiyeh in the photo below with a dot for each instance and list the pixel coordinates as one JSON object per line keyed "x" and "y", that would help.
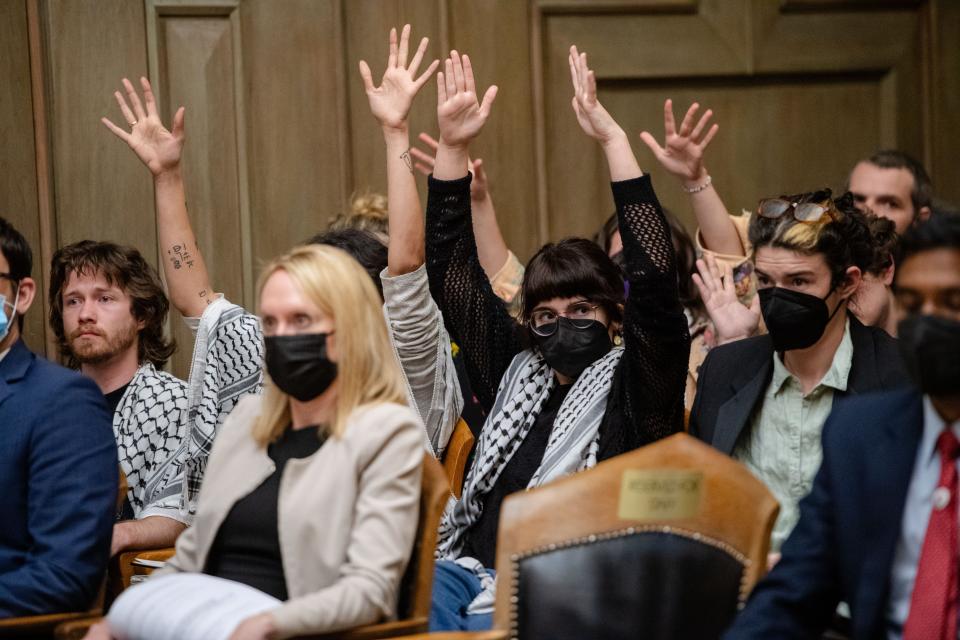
{"x": 227, "y": 364}
{"x": 572, "y": 446}
{"x": 149, "y": 425}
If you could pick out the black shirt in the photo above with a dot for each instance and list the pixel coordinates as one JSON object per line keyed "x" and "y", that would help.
{"x": 481, "y": 538}
{"x": 113, "y": 398}
{"x": 246, "y": 548}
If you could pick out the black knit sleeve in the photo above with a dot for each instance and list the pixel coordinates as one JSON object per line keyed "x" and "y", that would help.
{"x": 651, "y": 377}
{"x": 475, "y": 317}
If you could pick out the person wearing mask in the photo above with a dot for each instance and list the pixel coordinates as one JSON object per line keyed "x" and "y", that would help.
{"x": 58, "y": 463}
{"x": 312, "y": 490}
{"x": 879, "y": 528}
{"x": 602, "y": 374}
{"x": 763, "y": 400}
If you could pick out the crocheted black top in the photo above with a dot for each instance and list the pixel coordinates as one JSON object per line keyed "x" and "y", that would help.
{"x": 646, "y": 396}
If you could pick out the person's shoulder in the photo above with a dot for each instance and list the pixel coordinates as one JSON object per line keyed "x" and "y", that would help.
{"x": 157, "y": 381}
{"x": 52, "y": 379}
{"x": 858, "y": 416}
{"x": 379, "y": 423}
{"x": 746, "y": 353}
{"x": 886, "y": 349}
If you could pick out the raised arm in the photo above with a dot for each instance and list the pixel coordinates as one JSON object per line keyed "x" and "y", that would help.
{"x": 732, "y": 319}
{"x": 651, "y": 378}
{"x": 682, "y": 156}
{"x": 160, "y": 150}
{"x": 390, "y": 104}
{"x": 491, "y": 247}
{"x": 476, "y": 317}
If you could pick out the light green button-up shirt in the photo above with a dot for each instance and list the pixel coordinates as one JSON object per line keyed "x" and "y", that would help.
{"x": 782, "y": 446}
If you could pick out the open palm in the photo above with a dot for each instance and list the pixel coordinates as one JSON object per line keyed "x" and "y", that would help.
{"x": 732, "y": 319}
{"x": 459, "y": 114}
{"x": 156, "y": 146}
{"x": 390, "y": 102}
{"x": 593, "y": 118}
{"x": 683, "y": 149}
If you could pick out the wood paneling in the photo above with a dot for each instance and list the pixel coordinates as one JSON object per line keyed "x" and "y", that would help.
{"x": 280, "y": 135}
{"x": 102, "y": 191}
{"x": 18, "y": 169}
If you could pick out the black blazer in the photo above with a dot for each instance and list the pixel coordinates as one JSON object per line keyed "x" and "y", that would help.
{"x": 735, "y": 376}
{"x": 843, "y": 547}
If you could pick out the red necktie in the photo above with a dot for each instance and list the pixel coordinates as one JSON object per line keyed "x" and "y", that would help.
{"x": 933, "y": 606}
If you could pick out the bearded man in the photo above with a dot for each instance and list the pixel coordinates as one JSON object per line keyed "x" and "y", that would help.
{"x": 108, "y": 310}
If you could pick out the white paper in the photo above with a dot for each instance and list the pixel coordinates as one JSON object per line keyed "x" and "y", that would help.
{"x": 185, "y": 606}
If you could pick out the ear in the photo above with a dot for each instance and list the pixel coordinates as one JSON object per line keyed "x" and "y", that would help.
{"x": 923, "y": 215}
{"x": 332, "y": 347}
{"x": 887, "y": 276}
{"x": 851, "y": 282}
{"x": 27, "y": 290}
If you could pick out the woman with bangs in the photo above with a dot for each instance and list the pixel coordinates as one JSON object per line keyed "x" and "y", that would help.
{"x": 588, "y": 375}
{"x": 312, "y": 490}
{"x": 764, "y": 400}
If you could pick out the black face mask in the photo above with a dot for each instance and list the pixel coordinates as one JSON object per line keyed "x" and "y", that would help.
{"x": 931, "y": 349}
{"x": 794, "y": 320}
{"x": 570, "y": 350}
{"x": 299, "y": 365}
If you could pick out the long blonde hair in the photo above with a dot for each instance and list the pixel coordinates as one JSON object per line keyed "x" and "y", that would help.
{"x": 367, "y": 369}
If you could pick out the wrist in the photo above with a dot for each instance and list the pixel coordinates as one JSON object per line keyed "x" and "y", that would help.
{"x": 170, "y": 175}
{"x": 615, "y": 139}
{"x": 394, "y": 132}
{"x": 691, "y": 181}
{"x": 455, "y": 147}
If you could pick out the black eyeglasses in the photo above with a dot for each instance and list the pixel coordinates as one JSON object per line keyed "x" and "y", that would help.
{"x": 808, "y": 212}
{"x": 543, "y": 322}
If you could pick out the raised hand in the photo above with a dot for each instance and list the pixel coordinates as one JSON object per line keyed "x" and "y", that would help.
{"x": 682, "y": 151}
{"x": 156, "y": 146}
{"x": 732, "y": 319}
{"x": 593, "y": 118}
{"x": 424, "y": 161}
{"x": 459, "y": 114}
{"x": 390, "y": 102}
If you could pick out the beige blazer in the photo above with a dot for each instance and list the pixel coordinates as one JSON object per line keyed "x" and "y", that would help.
{"x": 347, "y": 514}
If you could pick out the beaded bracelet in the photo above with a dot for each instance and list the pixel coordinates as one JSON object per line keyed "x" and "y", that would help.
{"x": 699, "y": 187}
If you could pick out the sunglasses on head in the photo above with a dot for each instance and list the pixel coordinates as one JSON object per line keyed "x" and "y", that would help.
{"x": 809, "y": 212}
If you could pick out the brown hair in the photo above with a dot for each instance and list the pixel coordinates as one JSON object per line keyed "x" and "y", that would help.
{"x": 368, "y": 212}
{"x": 125, "y": 268}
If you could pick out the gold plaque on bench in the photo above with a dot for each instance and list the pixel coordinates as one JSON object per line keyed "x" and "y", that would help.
{"x": 663, "y": 494}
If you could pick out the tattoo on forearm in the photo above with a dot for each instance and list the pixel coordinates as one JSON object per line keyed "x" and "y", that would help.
{"x": 180, "y": 256}
{"x": 407, "y": 160}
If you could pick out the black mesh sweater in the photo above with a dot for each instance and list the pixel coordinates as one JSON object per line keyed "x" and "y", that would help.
{"x": 646, "y": 397}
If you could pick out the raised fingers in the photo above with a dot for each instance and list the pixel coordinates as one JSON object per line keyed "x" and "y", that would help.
{"x": 441, "y": 89}
{"x": 488, "y": 99}
{"x": 429, "y": 140}
{"x": 367, "y": 76}
{"x": 697, "y": 130}
{"x": 707, "y": 138}
{"x": 458, "y": 71}
{"x": 687, "y": 125}
{"x": 574, "y": 71}
{"x": 451, "y": 83}
{"x": 651, "y": 142}
{"x": 392, "y": 59}
{"x": 178, "y": 123}
{"x": 422, "y": 157}
{"x": 148, "y": 97}
{"x": 468, "y": 80}
{"x": 124, "y": 109}
{"x": 117, "y": 131}
{"x": 418, "y": 56}
{"x": 422, "y": 80}
{"x": 134, "y": 100}
{"x": 404, "y": 46}
{"x": 669, "y": 124}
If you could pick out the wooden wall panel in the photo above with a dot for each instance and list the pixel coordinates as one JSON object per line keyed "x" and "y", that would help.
{"x": 367, "y": 26}
{"x": 102, "y": 190}
{"x": 501, "y": 55}
{"x": 298, "y": 164}
{"x": 18, "y": 168}
{"x": 944, "y": 125}
{"x": 195, "y": 57}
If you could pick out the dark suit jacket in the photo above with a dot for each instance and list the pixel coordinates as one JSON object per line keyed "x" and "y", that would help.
{"x": 58, "y": 486}
{"x": 735, "y": 376}
{"x": 843, "y": 547}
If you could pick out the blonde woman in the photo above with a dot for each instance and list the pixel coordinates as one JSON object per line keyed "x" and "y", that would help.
{"x": 308, "y": 510}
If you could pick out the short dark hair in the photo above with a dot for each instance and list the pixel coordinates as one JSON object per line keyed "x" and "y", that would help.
{"x": 127, "y": 269}
{"x": 569, "y": 268}
{"x": 940, "y": 231}
{"x": 365, "y": 247}
{"x": 18, "y": 254}
{"x": 844, "y": 241}
{"x": 922, "y": 193}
